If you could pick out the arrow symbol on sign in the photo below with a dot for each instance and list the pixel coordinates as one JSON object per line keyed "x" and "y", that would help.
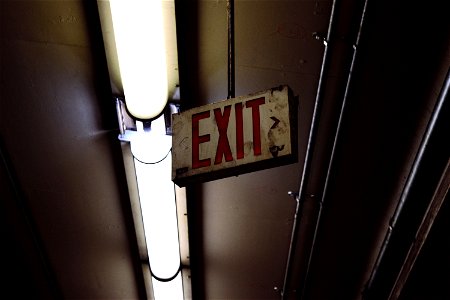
{"x": 275, "y": 122}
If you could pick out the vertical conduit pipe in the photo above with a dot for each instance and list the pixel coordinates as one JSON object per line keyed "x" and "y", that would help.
{"x": 333, "y": 151}
{"x": 231, "y": 71}
{"x": 310, "y": 146}
{"x": 411, "y": 178}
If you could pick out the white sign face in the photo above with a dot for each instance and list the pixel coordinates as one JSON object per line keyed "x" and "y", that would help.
{"x": 234, "y": 136}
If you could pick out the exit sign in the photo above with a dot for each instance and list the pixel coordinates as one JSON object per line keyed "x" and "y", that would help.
{"x": 234, "y": 136}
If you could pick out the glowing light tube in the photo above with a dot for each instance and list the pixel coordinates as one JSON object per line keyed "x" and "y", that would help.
{"x": 139, "y": 37}
{"x": 156, "y": 190}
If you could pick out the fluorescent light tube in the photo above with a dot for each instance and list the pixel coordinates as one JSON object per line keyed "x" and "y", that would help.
{"x": 139, "y": 37}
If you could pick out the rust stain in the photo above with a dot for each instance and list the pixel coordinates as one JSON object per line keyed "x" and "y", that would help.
{"x": 248, "y": 148}
{"x": 280, "y": 106}
{"x": 275, "y": 136}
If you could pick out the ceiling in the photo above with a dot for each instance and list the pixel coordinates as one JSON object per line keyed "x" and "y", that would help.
{"x": 373, "y": 154}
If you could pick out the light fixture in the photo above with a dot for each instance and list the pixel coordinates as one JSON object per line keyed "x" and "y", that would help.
{"x": 158, "y": 205}
{"x": 144, "y": 70}
{"x": 141, "y": 51}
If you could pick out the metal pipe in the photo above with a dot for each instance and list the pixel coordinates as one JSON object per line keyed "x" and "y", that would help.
{"x": 292, "y": 243}
{"x": 411, "y": 177}
{"x": 333, "y": 151}
{"x": 310, "y": 144}
{"x": 423, "y": 231}
{"x": 231, "y": 68}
